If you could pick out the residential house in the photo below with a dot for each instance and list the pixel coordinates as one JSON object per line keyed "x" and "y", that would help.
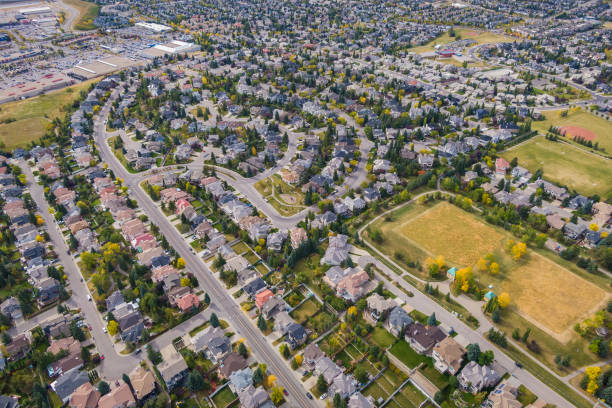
{"x": 296, "y": 335}
{"x": 337, "y": 250}
{"x": 173, "y": 368}
{"x": 343, "y": 384}
{"x": 398, "y": 321}
{"x": 378, "y": 306}
{"x": 262, "y": 297}
{"x": 69, "y": 344}
{"x": 297, "y": 235}
{"x": 358, "y": 400}
{"x": 353, "y": 287}
{"x": 422, "y": 339}
{"x": 273, "y": 306}
{"x": 311, "y": 354}
{"x": 85, "y": 396}
{"x": 218, "y": 348}
{"x": 327, "y": 368}
{"x": 120, "y": 396}
{"x": 142, "y": 382}
{"x": 501, "y": 166}
{"x": 11, "y": 308}
{"x": 474, "y": 377}
{"x": 65, "y": 364}
{"x": 68, "y": 383}
{"x": 241, "y": 379}
{"x": 252, "y": 397}
{"x": 231, "y": 363}
{"x": 504, "y": 395}
{"x": 18, "y": 347}
{"x": 275, "y": 240}
{"x": 448, "y": 356}
{"x": 201, "y": 339}
{"x": 282, "y": 321}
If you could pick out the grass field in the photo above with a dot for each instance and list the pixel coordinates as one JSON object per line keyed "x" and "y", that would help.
{"x": 565, "y": 164}
{"x": 600, "y": 126}
{"x": 481, "y": 37}
{"x": 454, "y": 225}
{"x": 306, "y": 310}
{"x": 32, "y": 115}
{"x": 87, "y": 13}
{"x": 542, "y": 290}
{"x": 285, "y": 198}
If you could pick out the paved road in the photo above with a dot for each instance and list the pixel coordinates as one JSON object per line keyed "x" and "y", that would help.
{"x": 220, "y": 297}
{"x": 428, "y": 306}
{"x": 114, "y": 364}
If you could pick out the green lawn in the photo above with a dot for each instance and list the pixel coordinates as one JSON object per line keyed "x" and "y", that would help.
{"x": 224, "y": 397}
{"x": 31, "y": 116}
{"x": 481, "y": 37}
{"x": 306, "y": 310}
{"x": 581, "y": 118}
{"x": 407, "y": 355}
{"x": 285, "y": 198}
{"x": 381, "y": 337}
{"x": 87, "y": 13}
{"x": 565, "y": 164}
{"x": 437, "y": 379}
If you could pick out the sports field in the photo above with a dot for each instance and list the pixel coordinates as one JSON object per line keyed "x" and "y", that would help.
{"x": 565, "y": 164}
{"x": 541, "y": 290}
{"x": 600, "y": 127}
{"x": 481, "y": 37}
{"x": 32, "y": 115}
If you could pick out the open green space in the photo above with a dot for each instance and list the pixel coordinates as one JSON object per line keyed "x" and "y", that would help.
{"x": 601, "y": 127}
{"x": 481, "y": 37}
{"x": 565, "y": 164}
{"x": 306, "y": 310}
{"x": 224, "y": 397}
{"x": 285, "y": 198}
{"x": 87, "y": 13}
{"x": 22, "y": 122}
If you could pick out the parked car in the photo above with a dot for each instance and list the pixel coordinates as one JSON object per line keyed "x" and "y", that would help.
{"x": 309, "y": 395}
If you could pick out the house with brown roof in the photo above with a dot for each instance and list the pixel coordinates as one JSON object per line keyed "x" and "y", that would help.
{"x": 262, "y": 297}
{"x": 18, "y": 347}
{"x": 353, "y": 286}
{"x": 143, "y": 382}
{"x": 422, "y": 339}
{"x": 188, "y": 302}
{"x": 448, "y": 356}
{"x": 231, "y": 363}
{"x": 85, "y": 396}
{"x": 119, "y": 397}
{"x": 77, "y": 226}
{"x": 70, "y": 344}
{"x": 297, "y": 236}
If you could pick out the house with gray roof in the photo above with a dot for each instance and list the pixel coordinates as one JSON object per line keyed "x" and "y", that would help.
{"x": 66, "y": 384}
{"x": 327, "y": 368}
{"x": 241, "y": 379}
{"x": 252, "y": 397}
{"x": 358, "y": 400}
{"x": 474, "y": 377}
{"x": 343, "y": 384}
{"x": 398, "y": 320}
{"x": 173, "y": 368}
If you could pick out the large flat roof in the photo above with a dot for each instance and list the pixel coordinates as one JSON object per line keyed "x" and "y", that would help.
{"x": 102, "y": 66}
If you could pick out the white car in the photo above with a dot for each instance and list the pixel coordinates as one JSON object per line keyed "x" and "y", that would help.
{"x": 104, "y": 330}
{"x": 323, "y": 396}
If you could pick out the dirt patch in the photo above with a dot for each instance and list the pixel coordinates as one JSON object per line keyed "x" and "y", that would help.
{"x": 471, "y": 34}
{"x": 289, "y": 199}
{"x": 576, "y": 131}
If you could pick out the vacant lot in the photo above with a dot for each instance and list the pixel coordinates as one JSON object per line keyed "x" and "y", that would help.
{"x": 599, "y": 126}
{"x": 87, "y": 13}
{"x": 566, "y": 165}
{"x": 481, "y": 37}
{"x": 29, "y": 117}
{"x": 444, "y": 223}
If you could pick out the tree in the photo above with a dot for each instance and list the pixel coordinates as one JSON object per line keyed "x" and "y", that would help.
{"x": 431, "y": 320}
{"x": 195, "y": 381}
{"x": 298, "y": 360}
{"x": 206, "y": 299}
{"x": 494, "y": 268}
{"x": 261, "y": 323}
{"x": 214, "y": 320}
{"x": 473, "y": 352}
{"x": 361, "y": 374}
{"x": 503, "y": 300}
{"x": 526, "y": 335}
{"x": 270, "y": 380}
{"x": 276, "y": 395}
{"x": 496, "y": 316}
{"x": 180, "y": 263}
{"x": 242, "y": 350}
{"x": 321, "y": 384}
{"x": 103, "y": 387}
{"x": 6, "y": 338}
{"x": 518, "y": 250}
{"x": 85, "y": 354}
{"x": 258, "y": 376}
{"x": 593, "y": 374}
{"x": 113, "y": 327}
{"x": 486, "y": 358}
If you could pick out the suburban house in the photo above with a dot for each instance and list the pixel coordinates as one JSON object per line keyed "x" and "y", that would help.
{"x": 143, "y": 383}
{"x": 358, "y": 400}
{"x": 327, "y": 368}
{"x": 398, "y": 320}
{"x": 501, "y": 166}
{"x": 311, "y": 354}
{"x": 343, "y": 384}
{"x": 282, "y": 321}
{"x": 296, "y": 335}
{"x": 504, "y": 395}
{"x": 119, "y": 396}
{"x": 273, "y": 306}
{"x": 173, "y": 368}
{"x": 18, "y": 347}
{"x": 85, "y": 396}
{"x": 201, "y": 339}
{"x": 241, "y": 379}
{"x": 252, "y": 397}
{"x": 422, "y": 339}
{"x": 297, "y": 236}
{"x": 448, "y": 356}
{"x": 378, "y": 306}
{"x": 66, "y": 384}
{"x": 233, "y": 362}
{"x": 337, "y": 250}
{"x": 353, "y": 287}
{"x": 474, "y": 377}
